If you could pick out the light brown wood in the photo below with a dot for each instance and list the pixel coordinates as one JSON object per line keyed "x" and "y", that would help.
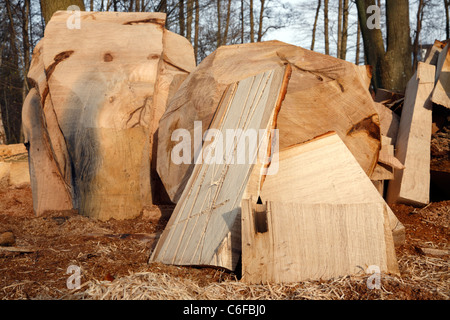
{"x": 43, "y": 169}
{"x": 102, "y": 89}
{"x": 441, "y": 92}
{"x": 432, "y": 55}
{"x": 291, "y": 242}
{"x": 323, "y": 170}
{"x": 14, "y": 166}
{"x": 412, "y": 184}
{"x": 389, "y": 121}
{"x": 324, "y": 93}
{"x": 204, "y": 228}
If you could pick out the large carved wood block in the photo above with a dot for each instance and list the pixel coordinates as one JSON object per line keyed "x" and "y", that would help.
{"x": 100, "y": 91}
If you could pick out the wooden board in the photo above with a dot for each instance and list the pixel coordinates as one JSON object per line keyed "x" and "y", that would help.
{"x": 412, "y": 184}
{"x": 323, "y": 170}
{"x": 101, "y": 105}
{"x": 292, "y": 242}
{"x": 441, "y": 92}
{"x": 316, "y": 81}
{"x": 204, "y": 228}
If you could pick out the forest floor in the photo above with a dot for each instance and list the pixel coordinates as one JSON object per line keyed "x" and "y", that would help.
{"x": 113, "y": 257}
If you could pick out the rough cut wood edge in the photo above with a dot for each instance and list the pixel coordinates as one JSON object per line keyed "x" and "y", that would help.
{"x": 441, "y": 92}
{"x": 324, "y": 171}
{"x": 412, "y": 184}
{"x": 432, "y": 55}
{"x": 292, "y": 242}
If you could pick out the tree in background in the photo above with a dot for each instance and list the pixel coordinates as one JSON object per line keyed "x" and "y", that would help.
{"x": 392, "y": 66}
{"x": 49, "y": 7}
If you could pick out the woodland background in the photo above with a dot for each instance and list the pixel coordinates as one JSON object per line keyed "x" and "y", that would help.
{"x": 332, "y": 27}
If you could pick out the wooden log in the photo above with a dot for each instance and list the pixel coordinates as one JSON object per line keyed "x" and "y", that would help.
{"x": 323, "y": 170}
{"x": 204, "y": 228}
{"x": 412, "y": 184}
{"x": 441, "y": 92}
{"x": 307, "y": 112}
{"x": 292, "y": 242}
{"x": 101, "y": 103}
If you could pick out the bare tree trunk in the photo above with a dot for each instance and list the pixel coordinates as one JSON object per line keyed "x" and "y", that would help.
{"x": 373, "y": 42}
{"x": 189, "y": 16}
{"x": 327, "y": 39}
{"x": 49, "y": 7}
{"x": 26, "y": 47}
{"x": 252, "y": 23}
{"x": 261, "y": 17}
{"x": 242, "y": 21}
{"x": 398, "y": 50}
{"x": 319, "y": 2}
{"x": 392, "y": 67}
{"x": 447, "y": 20}
{"x": 227, "y": 23}
{"x": 197, "y": 25}
{"x": 92, "y": 6}
{"x": 343, "y": 47}
{"x": 219, "y": 26}
{"x": 339, "y": 32}
{"x": 419, "y": 17}
{"x": 181, "y": 19}
{"x": 358, "y": 43}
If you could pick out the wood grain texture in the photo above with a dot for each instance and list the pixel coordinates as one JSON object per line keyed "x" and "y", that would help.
{"x": 441, "y": 92}
{"x": 323, "y": 170}
{"x": 49, "y": 188}
{"x": 102, "y": 90}
{"x": 204, "y": 229}
{"x": 314, "y": 241}
{"x": 324, "y": 94}
{"x": 412, "y": 184}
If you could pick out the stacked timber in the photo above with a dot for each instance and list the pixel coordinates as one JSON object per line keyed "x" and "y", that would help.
{"x": 92, "y": 115}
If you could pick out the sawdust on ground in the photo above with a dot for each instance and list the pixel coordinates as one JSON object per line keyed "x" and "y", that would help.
{"x": 113, "y": 257}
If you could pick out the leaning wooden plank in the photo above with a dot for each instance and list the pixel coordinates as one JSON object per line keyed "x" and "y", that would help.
{"x": 412, "y": 184}
{"x": 290, "y": 242}
{"x": 323, "y": 170}
{"x": 204, "y": 228}
{"x": 441, "y": 93}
